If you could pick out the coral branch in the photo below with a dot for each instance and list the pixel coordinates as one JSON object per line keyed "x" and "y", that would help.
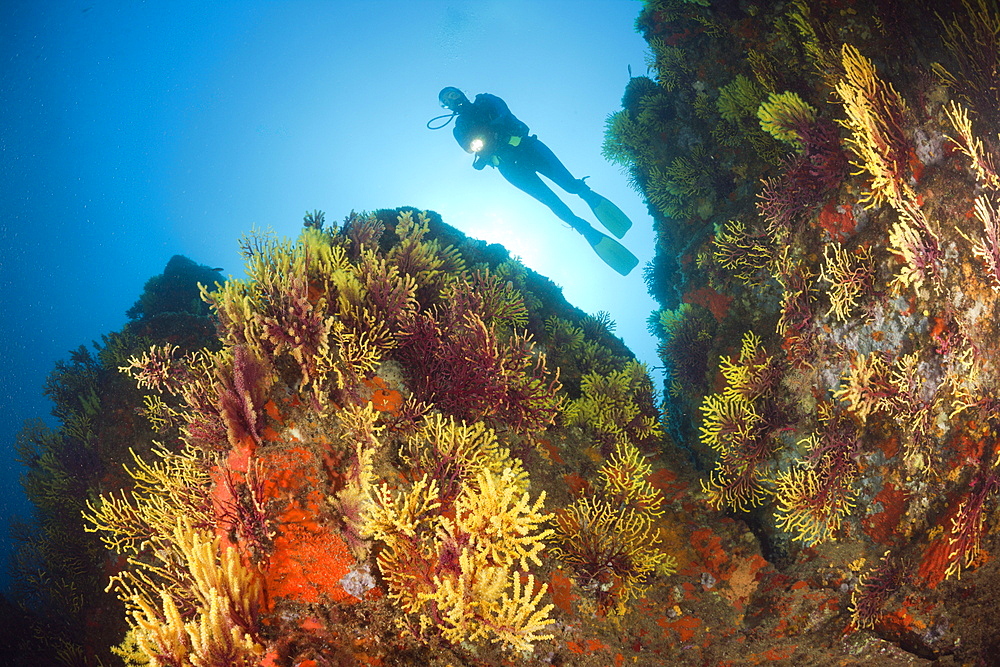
{"x": 455, "y": 575}
{"x": 875, "y": 590}
{"x": 983, "y": 162}
{"x": 972, "y": 40}
{"x": 875, "y": 118}
{"x": 470, "y": 372}
{"x": 868, "y": 386}
{"x": 797, "y": 302}
{"x": 243, "y": 386}
{"x": 968, "y": 523}
{"x": 987, "y": 248}
{"x": 750, "y": 258}
{"x": 851, "y": 278}
{"x": 739, "y": 424}
{"x": 919, "y": 247}
{"x": 815, "y": 495}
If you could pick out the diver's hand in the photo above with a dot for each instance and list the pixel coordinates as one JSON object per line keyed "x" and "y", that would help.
{"x": 478, "y": 163}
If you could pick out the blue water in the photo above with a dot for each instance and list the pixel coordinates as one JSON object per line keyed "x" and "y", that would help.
{"x": 130, "y": 132}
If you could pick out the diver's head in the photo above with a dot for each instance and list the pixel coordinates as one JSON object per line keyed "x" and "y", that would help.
{"x": 452, "y": 98}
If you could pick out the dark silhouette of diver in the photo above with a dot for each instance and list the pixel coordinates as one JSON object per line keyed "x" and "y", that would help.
{"x": 489, "y": 130}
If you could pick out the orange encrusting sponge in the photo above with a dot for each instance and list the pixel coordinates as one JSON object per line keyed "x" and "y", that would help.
{"x": 309, "y": 557}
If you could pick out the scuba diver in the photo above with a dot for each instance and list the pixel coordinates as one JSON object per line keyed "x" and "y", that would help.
{"x": 497, "y": 138}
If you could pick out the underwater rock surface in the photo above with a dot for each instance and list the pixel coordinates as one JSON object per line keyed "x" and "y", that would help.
{"x": 825, "y": 201}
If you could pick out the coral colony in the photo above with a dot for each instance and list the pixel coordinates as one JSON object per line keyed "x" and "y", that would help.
{"x": 392, "y": 445}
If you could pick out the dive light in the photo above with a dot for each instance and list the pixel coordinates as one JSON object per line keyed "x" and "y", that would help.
{"x": 477, "y": 145}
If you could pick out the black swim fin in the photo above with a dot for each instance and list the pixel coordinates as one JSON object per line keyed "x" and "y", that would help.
{"x": 610, "y": 215}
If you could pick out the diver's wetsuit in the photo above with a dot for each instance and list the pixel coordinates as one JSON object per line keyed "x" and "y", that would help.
{"x": 519, "y": 157}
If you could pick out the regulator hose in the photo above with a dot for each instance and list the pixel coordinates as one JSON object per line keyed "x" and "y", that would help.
{"x": 448, "y": 118}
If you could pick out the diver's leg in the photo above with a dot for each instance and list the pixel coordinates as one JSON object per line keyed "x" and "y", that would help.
{"x": 545, "y": 162}
{"x": 541, "y": 157}
{"x": 523, "y": 177}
